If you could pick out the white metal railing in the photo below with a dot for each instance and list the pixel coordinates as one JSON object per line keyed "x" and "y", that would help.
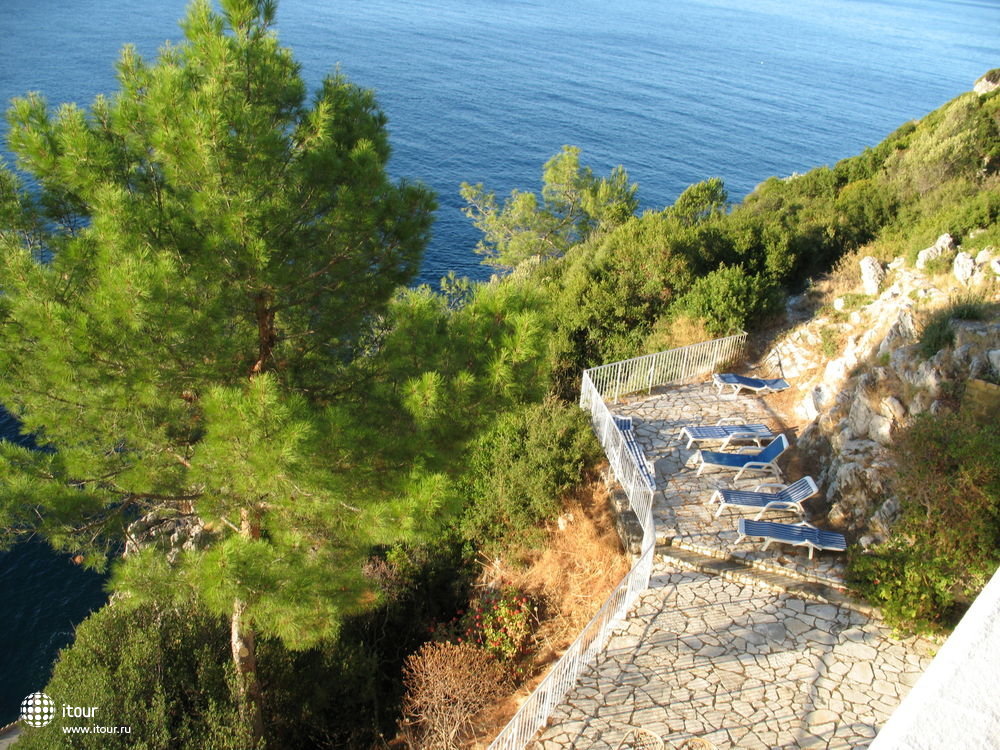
{"x": 596, "y": 386}
{"x": 662, "y": 368}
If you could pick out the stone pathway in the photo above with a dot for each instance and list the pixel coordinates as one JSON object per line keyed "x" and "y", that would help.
{"x": 711, "y": 662}
{"x": 738, "y": 667}
{"x": 683, "y": 516}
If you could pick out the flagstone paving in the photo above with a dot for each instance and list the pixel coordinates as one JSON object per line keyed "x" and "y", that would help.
{"x": 681, "y": 509}
{"x": 707, "y": 661}
{"x": 704, "y": 658}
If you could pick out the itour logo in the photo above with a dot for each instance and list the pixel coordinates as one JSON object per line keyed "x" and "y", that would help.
{"x": 38, "y": 710}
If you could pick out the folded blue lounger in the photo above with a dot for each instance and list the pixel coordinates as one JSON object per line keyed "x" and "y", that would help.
{"x": 725, "y": 432}
{"x": 624, "y": 425}
{"x": 758, "y": 385}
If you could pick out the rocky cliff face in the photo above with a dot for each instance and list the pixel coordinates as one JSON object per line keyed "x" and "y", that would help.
{"x": 860, "y": 373}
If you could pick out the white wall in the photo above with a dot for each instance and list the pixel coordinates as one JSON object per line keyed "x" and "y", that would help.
{"x": 956, "y": 702}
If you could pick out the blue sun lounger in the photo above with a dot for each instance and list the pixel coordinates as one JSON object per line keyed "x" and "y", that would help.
{"x": 624, "y": 425}
{"x": 725, "y": 432}
{"x": 757, "y": 385}
{"x": 800, "y": 534}
{"x": 787, "y": 497}
{"x": 762, "y": 460}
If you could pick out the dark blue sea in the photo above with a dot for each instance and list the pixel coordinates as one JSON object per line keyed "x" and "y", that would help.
{"x": 676, "y": 91}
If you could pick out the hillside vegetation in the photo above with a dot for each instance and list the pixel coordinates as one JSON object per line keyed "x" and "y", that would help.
{"x": 362, "y": 464}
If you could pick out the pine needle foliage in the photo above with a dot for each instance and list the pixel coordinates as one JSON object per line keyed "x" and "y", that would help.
{"x": 189, "y": 268}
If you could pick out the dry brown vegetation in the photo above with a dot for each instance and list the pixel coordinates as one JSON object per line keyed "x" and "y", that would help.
{"x": 447, "y": 684}
{"x": 571, "y": 576}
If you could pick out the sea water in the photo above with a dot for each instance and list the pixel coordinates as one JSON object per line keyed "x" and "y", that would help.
{"x": 676, "y": 91}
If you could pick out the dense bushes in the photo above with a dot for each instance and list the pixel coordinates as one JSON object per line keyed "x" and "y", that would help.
{"x": 165, "y": 674}
{"x": 728, "y": 299}
{"x": 947, "y": 541}
{"x": 517, "y": 472}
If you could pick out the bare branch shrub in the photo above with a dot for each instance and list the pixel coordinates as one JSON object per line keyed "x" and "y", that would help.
{"x": 447, "y": 684}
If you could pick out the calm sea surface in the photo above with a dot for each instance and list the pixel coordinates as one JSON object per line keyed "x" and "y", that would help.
{"x": 485, "y": 91}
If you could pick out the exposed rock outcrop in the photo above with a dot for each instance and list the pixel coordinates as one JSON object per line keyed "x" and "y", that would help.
{"x": 988, "y": 82}
{"x": 172, "y": 534}
{"x": 856, "y": 401}
{"x": 944, "y": 248}
{"x": 872, "y": 275}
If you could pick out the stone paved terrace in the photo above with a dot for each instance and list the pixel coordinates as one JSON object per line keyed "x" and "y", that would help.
{"x": 703, "y": 660}
{"x": 709, "y": 662}
{"x": 681, "y": 510}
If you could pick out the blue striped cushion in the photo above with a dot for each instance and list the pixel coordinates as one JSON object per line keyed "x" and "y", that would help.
{"x": 784, "y": 532}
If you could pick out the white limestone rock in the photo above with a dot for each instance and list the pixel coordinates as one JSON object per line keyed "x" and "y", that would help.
{"x": 880, "y": 429}
{"x": 987, "y": 83}
{"x": 994, "y": 359}
{"x": 860, "y": 418}
{"x": 893, "y": 408}
{"x": 943, "y": 248}
{"x": 872, "y": 275}
{"x": 964, "y": 266}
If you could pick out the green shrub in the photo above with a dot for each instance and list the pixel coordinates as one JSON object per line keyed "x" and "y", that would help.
{"x": 165, "y": 674}
{"x": 853, "y": 300}
{"x": 936, "y": 335}
{"x": 946, "y": 543}
{"x": 729, "y": 299}
{"x": 501, "y": 622}
{"x": 519, "y": 469}
{"x": 830, "y": 341}
{"x": 969, "y": 306}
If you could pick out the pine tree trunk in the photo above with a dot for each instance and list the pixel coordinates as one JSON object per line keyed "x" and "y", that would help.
{"x": 241, "y": 640}
{"x": 245, "y": 659}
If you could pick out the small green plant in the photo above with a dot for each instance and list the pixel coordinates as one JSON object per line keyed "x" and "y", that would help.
{"x": 969, "y": 306}
{"x": 938, "y": 332}
{"x": 936, "y": 335}
{"x": 830, "y": 341}
{"x": 853, "y": 300}
{"x": 938, "y": 266}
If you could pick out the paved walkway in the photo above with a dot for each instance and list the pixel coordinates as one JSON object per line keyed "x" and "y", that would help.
{"x": 708, "y": 662}
{"x": 738, "y": 667}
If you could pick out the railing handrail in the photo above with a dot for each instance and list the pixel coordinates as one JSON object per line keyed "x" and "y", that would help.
{"x": 662, "y": 368}
{"x": 535, "y": 711}
{"x": 597, "y": 368}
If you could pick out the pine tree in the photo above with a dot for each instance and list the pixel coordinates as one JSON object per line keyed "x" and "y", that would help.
{"x": 185, "y": 274}
{"x": 574, "y": 204}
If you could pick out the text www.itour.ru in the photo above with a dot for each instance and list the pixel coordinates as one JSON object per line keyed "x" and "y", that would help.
{"x": 97, "y": 730}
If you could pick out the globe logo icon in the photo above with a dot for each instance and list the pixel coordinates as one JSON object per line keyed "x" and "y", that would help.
{"x": 37, "y": 710}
